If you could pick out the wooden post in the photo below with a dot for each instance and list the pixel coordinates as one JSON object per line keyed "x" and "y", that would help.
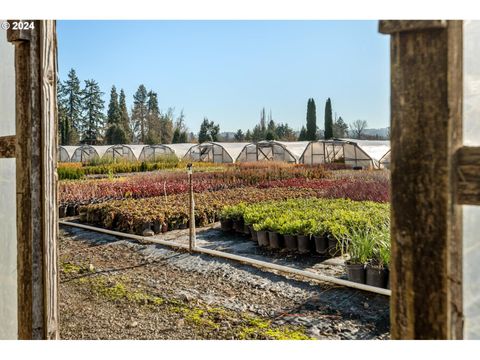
{"x": 192, "y": 237}
{"x": 426, "y": 131}
{"x": 36, "y": 147}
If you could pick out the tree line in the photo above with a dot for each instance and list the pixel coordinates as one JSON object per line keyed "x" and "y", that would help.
{"x": 82, "y": 119}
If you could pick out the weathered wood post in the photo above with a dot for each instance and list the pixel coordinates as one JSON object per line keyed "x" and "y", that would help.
{"x": 426, "y": 131}
{"x": 36, "y": 161}
{"x": 192, "y": 237}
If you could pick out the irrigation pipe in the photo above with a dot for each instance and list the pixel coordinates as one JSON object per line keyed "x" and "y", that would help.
{"x": 242, "y": 259}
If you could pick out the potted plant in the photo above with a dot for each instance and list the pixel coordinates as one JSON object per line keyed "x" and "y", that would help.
{"x": 320, "y": 239}
{"x": 262, "y": 235}
{"x": 289, "y": 239}
{"x": 304, "y": 231}
{"x": 377, "y": 267}
{"x": 359, "y": 247}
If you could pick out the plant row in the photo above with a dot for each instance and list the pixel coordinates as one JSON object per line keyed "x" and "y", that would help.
{"x": 84, "y": 192}
{"x": 165, "y": 213}
{"x": 359, "y": 229}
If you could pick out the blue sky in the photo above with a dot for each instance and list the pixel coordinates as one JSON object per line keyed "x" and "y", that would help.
{"x": 228, "y": 70}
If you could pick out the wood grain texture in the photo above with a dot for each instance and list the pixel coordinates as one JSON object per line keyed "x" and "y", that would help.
{"x": 35, "y": 69}
{"x": 394, "y": 26}
{"x": 7, "y": 146}
{"x": 48, "y": 66}
{"x": 426, "y": 128}
{"x": 468, "y": 175}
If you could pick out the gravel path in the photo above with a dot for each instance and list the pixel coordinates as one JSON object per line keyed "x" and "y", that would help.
{"x": 166, "y": 294}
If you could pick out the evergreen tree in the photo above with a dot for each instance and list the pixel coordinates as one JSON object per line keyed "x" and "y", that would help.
{"x": 270, "y": 135}
{"x": 239, "y": 135}
{"x": 70, "y": 103}
{"x": 208, "y": 131}
{"x": 124, "y": 118}
{"x": 311, "y": 130}
{"x": 303, "y": 134}
{"x": 113, "y": 113}
{"x": 115, "y": 134}
{"x": 180, "y": 134}
{"x": 166, "y": 127}
{"x": 271, "y": 126}
{"x": 328, "y": 120}
{"x": 93, "y": 118}
{"x": 248, "y": 135}
{"x": 154, "y": 123}
{"x": 340, "y": 128}
{"x": 139, "y": 113}
{"x": 263, "y": 121}
{"x": 284, "y": 132}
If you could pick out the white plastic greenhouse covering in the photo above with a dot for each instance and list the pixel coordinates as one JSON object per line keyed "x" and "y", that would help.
{"x": 123, "y": 152}
{"x": 155, "y": 152}
{"x": 65, "y": 153}
{"x": 272, "y": 151}
{"x": 375, "y": 149}
{"x": 471, "y": 213}
{"x": 86, "y": 153}
{"x": 385, "y": 161}
{"x": 215, "y": 152}
{"x": 180, "y": 150}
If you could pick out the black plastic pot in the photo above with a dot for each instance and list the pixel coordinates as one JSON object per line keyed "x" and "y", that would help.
{"x": 61, "y": 212}
{"x": 321, "y": 244}
{"x": 303, "y": 242}
{"x": 356, "y": 273}
{"x": 246, "y": 229}
{"x": 71, "y": 210}
{"x": 253, "y": 233}
{"x": 227, "y": 225}
{"x": 157, "y": 227}
{"x": 376, "y": 276}
{"x": 290, "y": 242}
{"x": 238, "y": 226}
{"x": 262, "y": 238}
{"x": 274, "y": 240}
{"x": 333, "y": 247}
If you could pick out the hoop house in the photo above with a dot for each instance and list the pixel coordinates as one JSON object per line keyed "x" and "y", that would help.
{"x": 180, "y": 150}
{"x": 385, "y": 161}
{"x": 215, "y": 152}
{"x": 272, "y": 151}
{"x": 65, "y": 153}
{"x": 87, "y": 153}
{"x": 155, "y": 152}
{"x": 123, "y": 152}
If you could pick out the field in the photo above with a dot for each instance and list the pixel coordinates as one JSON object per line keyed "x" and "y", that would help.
{"x": 329, "y": 220}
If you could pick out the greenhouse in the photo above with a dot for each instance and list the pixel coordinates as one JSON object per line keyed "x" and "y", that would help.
{"x": 124, "y": 152}
{"x": 272, "y": 151}
{"x": 87, "y": 153}
{"x": 385, "y": 161}
{"x": 65, "y": 153}
{"x": 350, "y": 152}
{"x": 180, "y": 150}
{"x": 215, "y": 152}
{"x": 155, "y": 152}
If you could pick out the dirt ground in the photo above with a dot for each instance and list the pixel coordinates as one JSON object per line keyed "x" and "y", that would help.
{"x": 113, "y": 288}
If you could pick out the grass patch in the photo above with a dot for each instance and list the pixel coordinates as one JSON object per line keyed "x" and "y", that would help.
{"x": 258, "y": 328}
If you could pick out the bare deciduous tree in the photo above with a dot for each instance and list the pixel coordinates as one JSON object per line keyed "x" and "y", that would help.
{"x": 358, "y": 127}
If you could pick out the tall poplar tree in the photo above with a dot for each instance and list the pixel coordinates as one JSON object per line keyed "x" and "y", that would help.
{"x": 328, "y": 120}
{"x": 311, "y": 130}
{"x": 154, "y": 125}
{"x": 115, "y": 134}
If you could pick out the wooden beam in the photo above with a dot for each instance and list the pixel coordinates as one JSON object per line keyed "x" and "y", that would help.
{"x": 468, "y": 175}
{"x": 426, "y": 130}
{"x": 35, "y": 69}
{"x": 395, "y": 26}
{"x": 7, "y": 146}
